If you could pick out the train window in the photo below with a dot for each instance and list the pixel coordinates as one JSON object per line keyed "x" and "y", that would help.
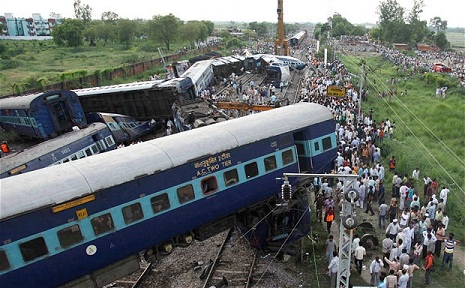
{"x": 185, "y": 193}
{"x": 327, "y": 143}
{"x": 109, "y": 140}
{"x": 230, "y": 177}
{"x": 94, "y": 149}
{"x": 74, "y": 157}
{"x": 33, "y": 249}
{"x": 270, "y": 163}
{"x": 101, "y": 145}
{"x": 112, "y": 126}
{"x": 102, "y": 224}
{"x": 160, "y": 203}
{"x": 88, "y": 152}
{"x": 4, "y": 263}
{"x": 251, "y": 170}
{"x": 132, "y": 213}
{"x": 288, "y": 157}
{"x": 70, "y": 236}
{"x": 209, "y": 185}
{"x": 317, "y": 146}
{"x": 81, "y": 154}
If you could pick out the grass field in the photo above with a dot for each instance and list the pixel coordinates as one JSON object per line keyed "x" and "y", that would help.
{"x": 36, "y": 61}
{"x": 456, "y": 39}
{"x": 429, "y": 131}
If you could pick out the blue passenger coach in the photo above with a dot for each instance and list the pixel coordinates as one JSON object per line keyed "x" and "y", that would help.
{"x": 74, "y": 145}
{"x": 71, "y": 221}
{"x": 124, "y": 128}
{"x": 43, "y": 115}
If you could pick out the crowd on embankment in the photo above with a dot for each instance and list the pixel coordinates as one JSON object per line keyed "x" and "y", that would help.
{"x": 411, "y": 208}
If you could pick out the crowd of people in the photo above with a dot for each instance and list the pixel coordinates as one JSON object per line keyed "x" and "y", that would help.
{"x": 415, "y": 222}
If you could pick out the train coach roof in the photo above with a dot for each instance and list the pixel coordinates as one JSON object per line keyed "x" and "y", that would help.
{"x": 118, "y": 88}
{"x": 66, "y": 181}
{"x": 23, "y": 102}
{"x": 16, "y": 159}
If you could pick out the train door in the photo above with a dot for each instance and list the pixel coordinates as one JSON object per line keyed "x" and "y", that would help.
{"x": 303, "y": 151}
{"x": 60, "y": 114}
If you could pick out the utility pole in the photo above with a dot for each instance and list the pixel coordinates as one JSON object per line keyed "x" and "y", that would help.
{"x": 347, "y": 222}
{"x": 362, "y": 84}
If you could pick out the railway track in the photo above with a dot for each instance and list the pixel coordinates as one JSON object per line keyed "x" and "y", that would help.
{"x": 225, "y": 270}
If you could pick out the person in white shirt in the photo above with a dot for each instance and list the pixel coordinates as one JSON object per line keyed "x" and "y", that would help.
{"x": 403, "y": 278}
{"x": 333, "y": 268}
{"x": 445, "y": 220}
{"x": 443, "y": 194}
{"x": 359, "y": 252}
{"x": 393, "y": 229}
{"x": 375, "y": 268}
{"x": 416, "y": 174}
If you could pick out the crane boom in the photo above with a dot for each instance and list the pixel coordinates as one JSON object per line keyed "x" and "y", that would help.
{"x": 281, "y": 47}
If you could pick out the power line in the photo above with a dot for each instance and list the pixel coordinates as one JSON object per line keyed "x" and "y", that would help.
{"x": 416, "y": 137}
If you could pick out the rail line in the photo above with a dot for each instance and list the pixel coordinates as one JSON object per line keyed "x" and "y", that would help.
{"x": 225, "y": 270}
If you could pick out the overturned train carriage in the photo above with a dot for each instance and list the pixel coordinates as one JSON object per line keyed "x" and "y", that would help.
{"x": 142, "y": 100}
{"x": 86, "y": 219}
{"x": 43, "y": 115}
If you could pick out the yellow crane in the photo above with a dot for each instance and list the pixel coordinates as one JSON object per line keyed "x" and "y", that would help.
{"x": 280, "y": 46}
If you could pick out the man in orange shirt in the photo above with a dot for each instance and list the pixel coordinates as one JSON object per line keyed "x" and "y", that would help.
{"x": 429, "y": 260}
{"x": 5, "y": 148}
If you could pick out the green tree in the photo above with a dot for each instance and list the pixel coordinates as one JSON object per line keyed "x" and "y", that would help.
{"x": 90, "y": 33}
{"x": 191, "y": 32}
{"x": 441, "y": 40}
{"x": 106, "y": 32}
{"x": 83, "y": 12}
{"x": 418, "y": 28}
{"x": 165, "y": 29}
{"x": 69, "y": 33}
{"x": 210, "y": 26}
{"x": 110, "y": 16}
{"x": 391, "y": 20}
{"x": 260, "y": 28}
{"x": 126, "y": 31}
{"x": 438, "y": 24}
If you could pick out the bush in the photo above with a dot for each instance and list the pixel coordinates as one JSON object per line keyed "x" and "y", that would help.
{"x": 9, "y": 64}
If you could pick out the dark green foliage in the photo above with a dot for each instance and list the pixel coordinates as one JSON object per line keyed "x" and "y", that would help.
{"x": 69, "y": 33}
{"x": 9, "y": 64}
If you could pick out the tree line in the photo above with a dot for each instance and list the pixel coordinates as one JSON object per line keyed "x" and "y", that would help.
{"x": 394, "y": 26}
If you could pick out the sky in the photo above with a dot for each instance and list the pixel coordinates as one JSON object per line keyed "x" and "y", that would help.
{"x": 355, "y": 11}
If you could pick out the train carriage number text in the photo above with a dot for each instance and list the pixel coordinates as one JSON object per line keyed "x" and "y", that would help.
{"x": 212, "y": 164}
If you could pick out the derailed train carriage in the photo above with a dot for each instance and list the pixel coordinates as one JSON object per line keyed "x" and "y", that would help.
{"x": 43, "y": 115}
{"x": 142, "y": 100}
{"x": 94, "y": 139}
{"x": 298, "y": 38}
{"x": 87, "y": 220}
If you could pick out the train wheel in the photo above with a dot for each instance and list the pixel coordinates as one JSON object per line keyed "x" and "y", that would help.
{"x": 165, "y": 249}
{"x": 150, "y": 255}
{"x": 185, "y": 240}
{"x": 369, "y": 241}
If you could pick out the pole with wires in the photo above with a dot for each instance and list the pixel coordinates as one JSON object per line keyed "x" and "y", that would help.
{"x": 347, "y": 222}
